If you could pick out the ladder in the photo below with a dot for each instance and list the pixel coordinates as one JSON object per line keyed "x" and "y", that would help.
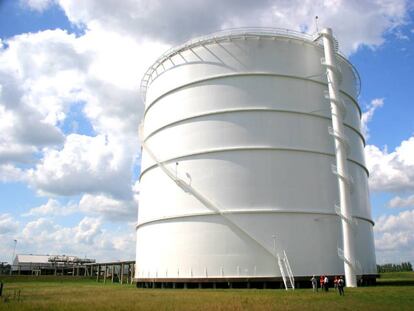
{"x": 286, "y": 271}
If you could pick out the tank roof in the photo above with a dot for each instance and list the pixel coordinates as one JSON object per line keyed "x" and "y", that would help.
{"x": 239, "y": 33}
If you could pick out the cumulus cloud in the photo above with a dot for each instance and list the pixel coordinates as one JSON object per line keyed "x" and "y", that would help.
{"x": 176, "y": 21}
{"x": 369, "y": 113}
{"x": 108, "y": 208}
{"x": 99, "y": 206}
{"x": 402, "y": 202}
{"x": 391, "y": 171}
{"x": 8, "y": 224}
{"x": 394, "y": 237}
{"x": 87, "y": 230}
{"x": 85, "y": 165}
{"x": 41, "y": 76}
{"x": 52, "y": 208}
{"x": 88, "y": 238}
{"x": 34, "y": 90}
{"x": 37, "y": 5}
{"x": 43, "y": 230}
{"x": 9, "y": 230}
{"x": 10, "y": 173}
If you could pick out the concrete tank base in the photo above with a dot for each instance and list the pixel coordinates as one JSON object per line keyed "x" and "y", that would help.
{"x": 257, "y": 283}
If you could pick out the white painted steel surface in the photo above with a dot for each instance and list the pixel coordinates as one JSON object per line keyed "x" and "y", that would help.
{"x": 245, "y": 117}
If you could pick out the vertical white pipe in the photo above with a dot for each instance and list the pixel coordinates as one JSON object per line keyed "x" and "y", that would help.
{"x": 341, "y": 158}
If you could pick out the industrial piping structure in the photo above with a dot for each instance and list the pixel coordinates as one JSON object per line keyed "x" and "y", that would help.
{"x": 238, "y": 183}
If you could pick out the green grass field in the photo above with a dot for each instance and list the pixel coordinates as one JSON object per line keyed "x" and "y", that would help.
{"x": 395, "y": 292}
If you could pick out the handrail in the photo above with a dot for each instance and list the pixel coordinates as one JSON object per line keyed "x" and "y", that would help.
{"x": 231, "y": 33}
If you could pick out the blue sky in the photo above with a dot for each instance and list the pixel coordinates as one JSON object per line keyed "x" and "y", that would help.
{"x": 385, "y": 72}
{"x": 69, "y": 109}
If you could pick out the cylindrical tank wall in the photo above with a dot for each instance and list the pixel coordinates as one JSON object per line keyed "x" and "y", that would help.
{"x": 244, "y": 121}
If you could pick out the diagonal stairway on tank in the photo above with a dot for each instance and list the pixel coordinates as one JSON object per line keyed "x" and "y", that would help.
{"x": 282, "y": 260}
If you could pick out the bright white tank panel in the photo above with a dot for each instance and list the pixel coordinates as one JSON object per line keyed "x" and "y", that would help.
{"x": 239, "y": 125}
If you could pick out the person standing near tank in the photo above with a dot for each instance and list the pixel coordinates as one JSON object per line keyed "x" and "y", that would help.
{"x": 326, "y": 283}
{"x": 341, "y": 284}
{"x": 314, "y": 284}
{"x": 336, "y": 279}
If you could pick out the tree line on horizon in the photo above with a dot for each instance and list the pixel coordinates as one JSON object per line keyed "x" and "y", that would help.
{"x": 391, "y": 267}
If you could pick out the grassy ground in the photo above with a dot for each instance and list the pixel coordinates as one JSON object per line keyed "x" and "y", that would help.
{"x": 49, "y": 293}
{"x": 397, "y": 279}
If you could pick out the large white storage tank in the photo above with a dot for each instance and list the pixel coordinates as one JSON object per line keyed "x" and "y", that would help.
{"x": 237, "y": 162}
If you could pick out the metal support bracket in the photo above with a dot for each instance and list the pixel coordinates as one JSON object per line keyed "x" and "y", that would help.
{"x": 339, "y": 103}
{"x": 341, "y": 138}
{"x": 356, "y": 265}
{"x": 351, "y": 221}
{"x": 334, "y": 68}
{"x": 347, "y": 179}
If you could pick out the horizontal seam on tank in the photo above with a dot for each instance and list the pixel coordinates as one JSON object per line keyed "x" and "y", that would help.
{"x": 240, "y": 74}
{"x": 249, "y": 110}
{"x": 252, "y": 211}
{"x": 245, "y": 149}
{"x": 247, "y": 74}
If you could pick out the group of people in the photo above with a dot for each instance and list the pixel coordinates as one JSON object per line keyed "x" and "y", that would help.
{"x": 339, "y": 284}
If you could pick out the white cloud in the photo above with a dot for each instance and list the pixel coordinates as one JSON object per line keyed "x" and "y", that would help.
{"x": 369, "y": 113}
{"x": 400, "y": 35}
{"x": 85, "y": 165}
{"x": 394, "y": 237}
{"x": 9, "y": 230}
{"x": 7, "y": 224}
{"x": 99, "y": 206}
{"x": 37, "y": 5}
{"x": 10, "y": 173}
{"x": 355, "y": 23}
{"x": 42, "y": 72}
{"x": 41, "y": 76}
{"x": 52, "y": 208}
{"x": 108, "y": 208}
{"x": 404, "y": 221}
{"x": 402, "y": 202}
{"x": 87, "y": 230}
{"x": 45, "y": 231}
{"x": 391, "y": 171}
{"x": 88, "y": 238}
{"x": 36, "y": 84}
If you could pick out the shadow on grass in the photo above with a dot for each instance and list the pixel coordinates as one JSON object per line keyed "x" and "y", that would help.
{"x": 395, "y": 283}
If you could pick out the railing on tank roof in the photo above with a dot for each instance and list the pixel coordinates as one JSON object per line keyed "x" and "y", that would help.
{"x": 234, "y": 33}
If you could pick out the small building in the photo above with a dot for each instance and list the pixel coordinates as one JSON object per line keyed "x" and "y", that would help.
{"x": 30, "y": 264}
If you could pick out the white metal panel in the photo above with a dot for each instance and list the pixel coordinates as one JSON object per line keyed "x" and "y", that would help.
{"x": 28, "y": 258}
{"x": 249, "y": 129}
{"x": 249, "y": 179}
{"x": 243, "y": 93}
